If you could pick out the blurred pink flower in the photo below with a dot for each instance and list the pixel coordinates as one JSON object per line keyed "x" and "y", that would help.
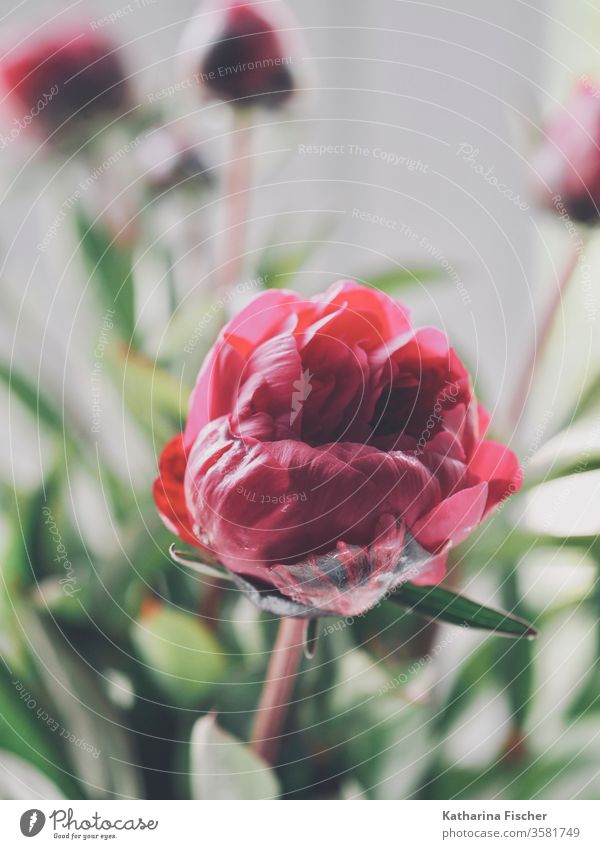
{"x": 568, "y": 161}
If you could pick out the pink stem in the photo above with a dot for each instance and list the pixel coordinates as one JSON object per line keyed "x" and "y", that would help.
{"x": 519, "y": 401}
{"x": 279, "y": 683}
{"x": 237, "y": 199}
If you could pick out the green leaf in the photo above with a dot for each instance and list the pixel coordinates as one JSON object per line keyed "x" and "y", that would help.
{"x": 28, "y": 394}
{"x": 154, "y": 398}
{"x": 587, "y": 698}
{"x": 440, "y": 603}
{"x": 400, "y": 278}
{"x": 282, "y": 261}
{"x": 514, "y": 663}
{"x": 181, "y": 654}
{"x": 21, "y": 555}
{"x": 111, "y": 271}
{"x": 279, "y": 272}
{"x": 222, "y": 767}
{"x": 472, "y": 674}
{"x": 20, "y": 780}
{"x": 95, "y": 742}
{"x": 573, "y": 450}
{"x": 25, "y": 735}
{"x": 565, "y": 507}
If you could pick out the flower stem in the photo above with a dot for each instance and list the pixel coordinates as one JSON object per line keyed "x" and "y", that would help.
{"x": 519, "y": 401}
{"x": 277, "y": 690}
{"x": 236, "y": 198}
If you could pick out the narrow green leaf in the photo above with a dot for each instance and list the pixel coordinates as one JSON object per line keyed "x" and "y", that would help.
{"x": 471, "y": 676}
{"x": 514, "y": 663}
{"x": 440, "y": 603}
{"x": 111, "y": 271}
{"x": 30, "y": 397}
{"x": 399, "y": 278}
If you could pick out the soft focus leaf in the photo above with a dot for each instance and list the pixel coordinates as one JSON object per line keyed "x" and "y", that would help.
{"x": 279, "y": 264}
{"x": 587, "y": 699}
{"x": 471, "y": 674}
{"x": 22, "y": 732}
{"x": 222, "y": 767}
{"x": 111, "y": 271}
{"x": 400, "y": 278}
{"x": 30, "y": 396}
{"x": 277, "y": 272}
{"x": 95, "y": 741}
{"x": 20, "y": 780}
{"x": 574, "y": 449}
{"x": 440, "y": 603}
{"x": 514, "y": 663}
{"x": 565, "y": 507}
{"x": 181, "y": 654}
{"x": 156, "y": 400}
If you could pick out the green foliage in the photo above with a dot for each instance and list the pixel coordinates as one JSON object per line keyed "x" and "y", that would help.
{"x": 181, "y": 654}
{"x": 225, "y": 768}
{"x": 440, "y": 603}
{"x": 110, "y": 266}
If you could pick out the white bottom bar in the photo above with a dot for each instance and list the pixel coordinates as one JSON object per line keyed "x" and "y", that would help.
{"x": 287, "y": 825}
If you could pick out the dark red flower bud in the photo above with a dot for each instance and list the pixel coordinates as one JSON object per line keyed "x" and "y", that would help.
{"x": 245, "y": 54}
{"x": 568, "y": 162}
{"x": 64, "y": 80}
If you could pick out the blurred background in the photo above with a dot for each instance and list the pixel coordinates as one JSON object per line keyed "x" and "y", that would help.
{"x": 406, "y": 160}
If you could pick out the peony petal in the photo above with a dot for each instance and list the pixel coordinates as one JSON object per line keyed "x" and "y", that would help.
{"x": 433, "y": 572}
{"x": 497, "y": 464}
{"x": 483, "y": 418}
{"x": 453, "y": 519}
{"x": 169, "y": 493}
{"x": 271, "y": 383}
{"x": 214, "y": 393}
{"x": 360, "y": 300}
{"x": 274, "y": 502}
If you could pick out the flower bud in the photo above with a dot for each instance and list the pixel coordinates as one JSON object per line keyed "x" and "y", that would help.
{"x": 62, "y": 81}
{"x": 568, "y": 162}
{"x": 243, "y": 53}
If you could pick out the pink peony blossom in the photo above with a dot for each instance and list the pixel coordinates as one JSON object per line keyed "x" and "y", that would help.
{"x": 332, "y": 450}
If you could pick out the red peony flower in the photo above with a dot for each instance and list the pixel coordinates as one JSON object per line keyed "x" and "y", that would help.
{"x": 568, "y": 163}
{"x": 243, "y": 53}
{"x": 332, "y": 451}
{"x": 64, "y": 79}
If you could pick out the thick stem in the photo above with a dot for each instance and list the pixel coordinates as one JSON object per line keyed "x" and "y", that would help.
{"x": 210, "y": 604}
{"x": 520, "y": 397}
{"x": 277, "y": 690}
{"x": 236, "y": 199}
